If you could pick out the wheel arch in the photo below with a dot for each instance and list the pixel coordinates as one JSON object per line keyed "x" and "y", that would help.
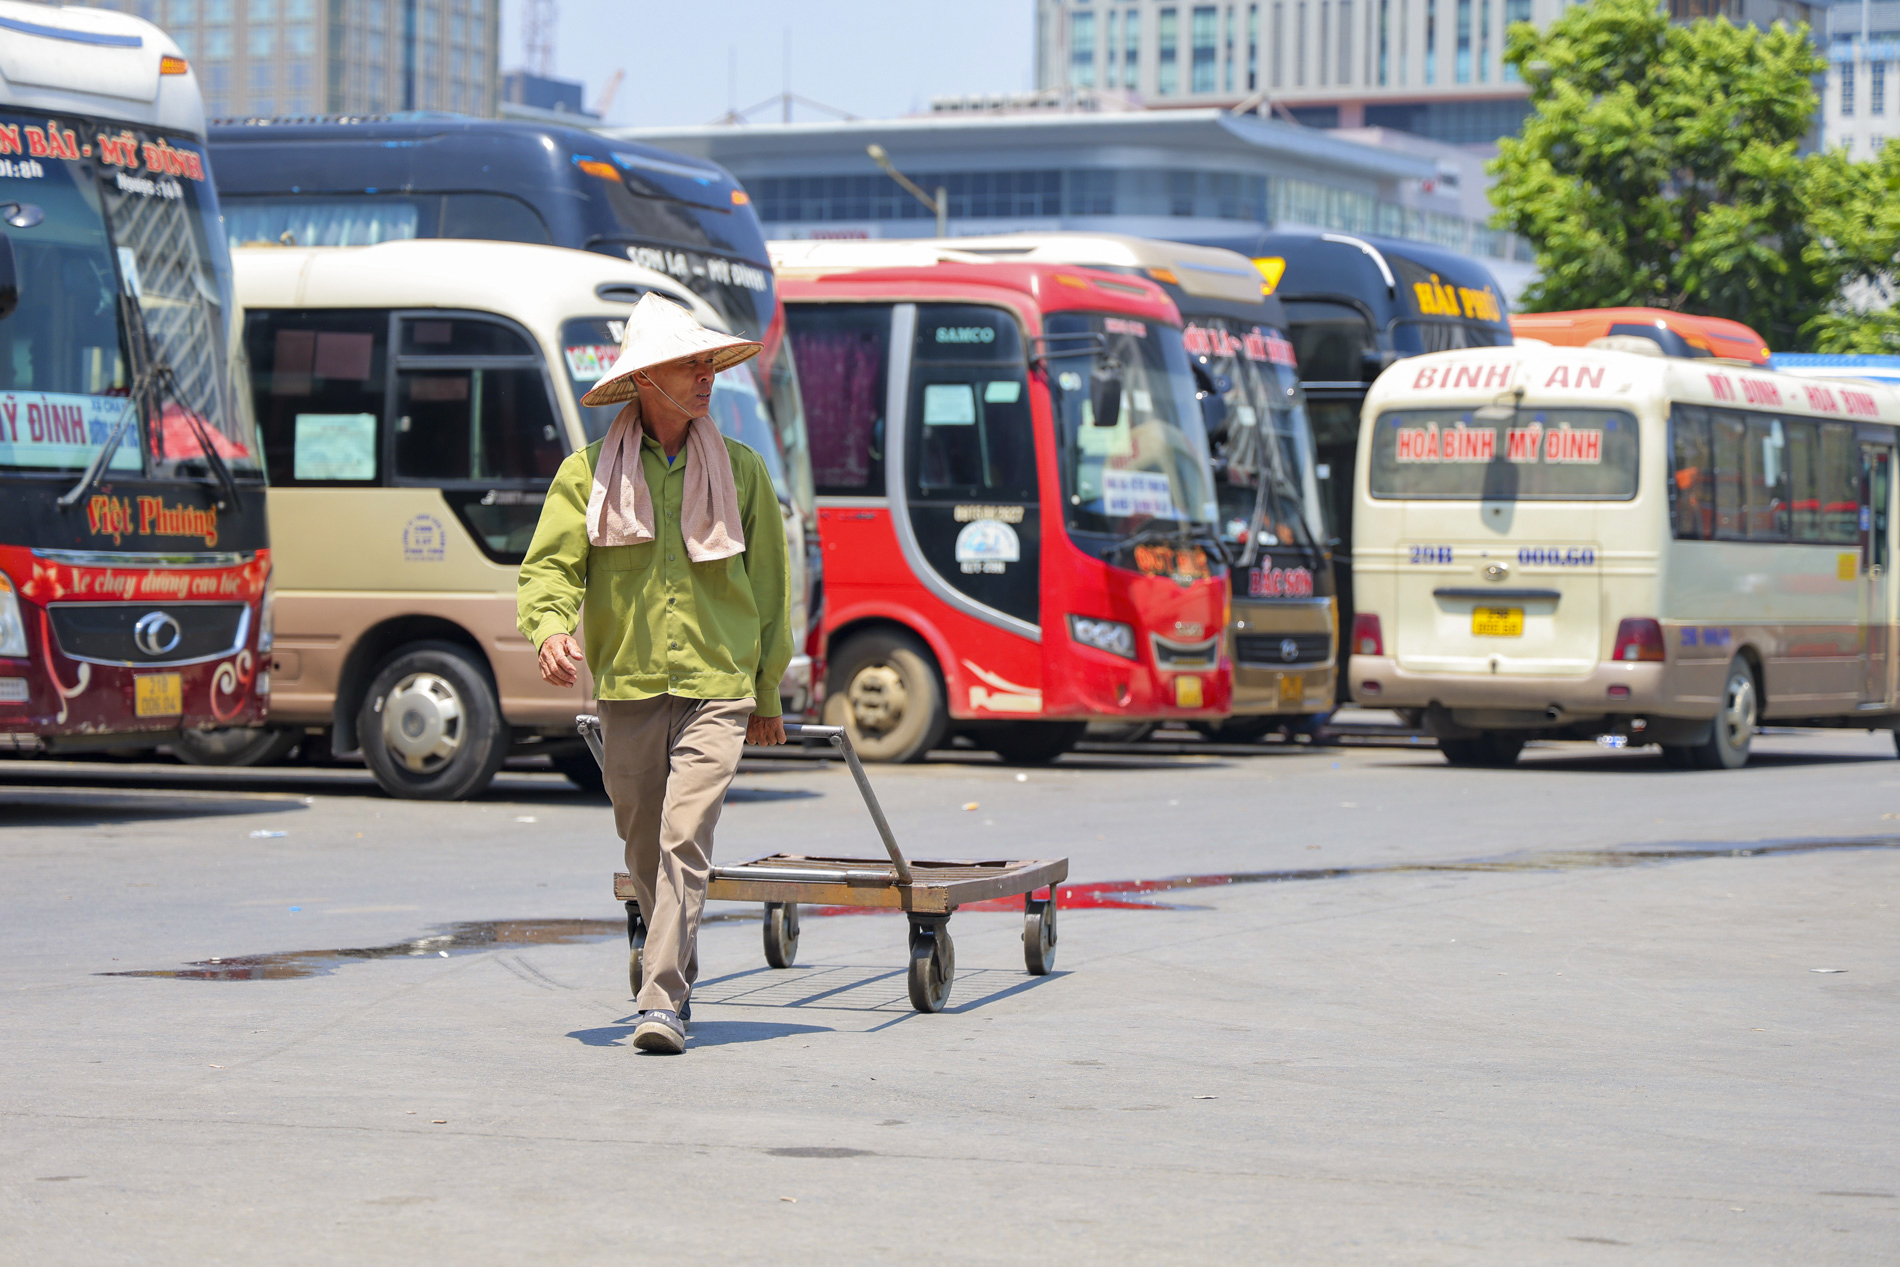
{"x": 1748, "y": 653}
{"x": 375, "y": 646}
{"x": 941, "y": 657}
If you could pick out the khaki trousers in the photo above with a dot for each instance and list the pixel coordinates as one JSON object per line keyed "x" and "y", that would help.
{"x": 669, "y": 762}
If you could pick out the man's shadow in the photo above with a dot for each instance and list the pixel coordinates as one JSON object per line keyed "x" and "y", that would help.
{"x": 701, "y": 1033}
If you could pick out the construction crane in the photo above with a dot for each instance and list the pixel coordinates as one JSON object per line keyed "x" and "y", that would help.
{"x": 537, "y": 36}
{"x": 607, "y": 94}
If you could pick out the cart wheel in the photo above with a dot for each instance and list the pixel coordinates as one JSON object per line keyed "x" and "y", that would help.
{"x": 933, "y": 966}
{"x": 636, "y": 946}
{"x": 1039, "y": 934}
{"x": 781, "y": 933}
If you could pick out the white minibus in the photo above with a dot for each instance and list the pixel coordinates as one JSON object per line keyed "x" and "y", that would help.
{"x": 1571, "y": 542}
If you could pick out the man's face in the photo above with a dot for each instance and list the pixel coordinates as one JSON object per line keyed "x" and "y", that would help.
{"x": 688, "y": 381}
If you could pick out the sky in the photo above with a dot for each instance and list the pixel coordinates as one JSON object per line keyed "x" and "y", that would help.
{"x": 870, "y": 59}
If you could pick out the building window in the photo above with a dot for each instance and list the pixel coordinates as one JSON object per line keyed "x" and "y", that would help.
{"x": 261, "y": 11}
{"x": 1345, "y": 41}
{"x": 262, "y": 41}
{"x": 1484, "y": 42}
{"x": 1167, "y": 68}
{"x": 1847, "y": 90}
{"x": 1082, "y": 50}
{"x": 1325, "y": 36}
{"x": 1431, "y": 41}
{"x": 298, "y": 10}
{"x": 1877, "y": 91}
{"x": 1131, "y": 50}
{"x": 1109, "y": 79}
{"x": 1463, "y": 68}
{"x": 1385, "y": 33}
{"x": 300, "y": 41}
{"x": 1515, "y": 11}
{"x": 1205, "y": 32}
{"x": 1253, "y": 47}
{"x": 1299, "y": 44}
{"x": 218, "y": 44}
{"x": 1279, "y": 43}
{"x": 184, "y": 13}
{"x": 1405, "y": 44}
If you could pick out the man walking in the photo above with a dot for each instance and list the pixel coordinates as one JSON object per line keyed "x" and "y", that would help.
{"x": 667, "y": 538}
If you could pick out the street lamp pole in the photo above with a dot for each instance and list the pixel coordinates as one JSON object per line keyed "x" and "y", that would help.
{"x": 939, "y": 206}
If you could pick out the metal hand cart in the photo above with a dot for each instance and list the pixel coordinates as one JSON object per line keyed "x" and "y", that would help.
{"x": 927, "y": 892}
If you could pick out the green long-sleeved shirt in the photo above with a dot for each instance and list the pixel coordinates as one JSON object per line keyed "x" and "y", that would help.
{"x": 656, "y": 623}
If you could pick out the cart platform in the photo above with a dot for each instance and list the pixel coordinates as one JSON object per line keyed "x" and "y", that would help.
{"x": 928, "y": 892}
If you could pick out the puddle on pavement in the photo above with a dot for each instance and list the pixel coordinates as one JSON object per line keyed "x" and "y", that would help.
{"x": 476, "y": 936}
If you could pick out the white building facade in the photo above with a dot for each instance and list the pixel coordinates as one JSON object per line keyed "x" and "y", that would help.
{"x": 1859, "y": 111}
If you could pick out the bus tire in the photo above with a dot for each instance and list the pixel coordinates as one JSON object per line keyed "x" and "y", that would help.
{"x": 885, "y": 691}
{"x": 431, "y": 726}
{"x": 236, "y": 745}
{"x": 1488, "y": 751}
{"x": 1240, "y": 729}
{"x": 1733, "y": 730}
{"x": 1034, "y": 742}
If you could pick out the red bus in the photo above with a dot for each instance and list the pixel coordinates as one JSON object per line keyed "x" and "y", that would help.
{"x": 1016, "y": 505}
{"x": 134, "y": 566}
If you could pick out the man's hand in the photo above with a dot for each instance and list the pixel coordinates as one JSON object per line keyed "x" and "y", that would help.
{"x": 560, "y": 660}
{"x": 762, "y": 730}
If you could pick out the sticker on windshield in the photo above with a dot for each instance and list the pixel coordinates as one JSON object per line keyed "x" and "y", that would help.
{"x": 987, "y": 546}
{"x": 589, "y": 362}
{"x": 1121, "y": 325}
{"x": 49, "y": 429}
{"x": 1127, "y": 493}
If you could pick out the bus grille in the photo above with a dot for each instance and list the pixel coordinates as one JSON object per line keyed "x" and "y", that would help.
{"x": 1272, "y": 649}
{"x": 110, "y": 633}
{"x": 1172, "y": 655}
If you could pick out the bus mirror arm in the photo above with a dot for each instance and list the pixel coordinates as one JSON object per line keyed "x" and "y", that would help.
{"x": 1375, "y": 361}
{"x": 9, "y": 279}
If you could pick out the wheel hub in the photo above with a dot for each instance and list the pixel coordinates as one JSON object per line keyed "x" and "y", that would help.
{"x": 422, "y": 722}
{"x": 877, "y": 699}
{"x": 1738, "y": 713}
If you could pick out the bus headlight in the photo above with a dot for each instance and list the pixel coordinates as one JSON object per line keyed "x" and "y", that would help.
{"x": 12, "y": 624}
{"x": 1104, "y": 635}
{"x": 267, "y": 619}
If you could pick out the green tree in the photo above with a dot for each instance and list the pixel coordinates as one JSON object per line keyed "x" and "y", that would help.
{"x": 1855, "y": 222}
{"x": 1660, "y": 167}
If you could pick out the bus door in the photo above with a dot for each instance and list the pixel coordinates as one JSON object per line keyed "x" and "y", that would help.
{"x": 1876, "y": 464}
{"x": 970, "y": 486}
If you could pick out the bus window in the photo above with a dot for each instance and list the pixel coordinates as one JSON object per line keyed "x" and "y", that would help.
{"x": 843, "y": 355}
{"x": 461, "y": 336}
{"x": 317, "y": 378}
{"x": 1412, "y": 338}
{"x": 482, "y": 425}
{"x": 1738, "y": 476}
{"x": 1541, "y": 455}
{"x": 492, "y": 218}
{"x": 366, "y": 219}
{"x": 1330, "y": 341}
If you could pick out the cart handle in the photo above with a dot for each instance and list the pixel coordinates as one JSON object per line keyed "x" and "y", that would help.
{"x": 589, "y": 726}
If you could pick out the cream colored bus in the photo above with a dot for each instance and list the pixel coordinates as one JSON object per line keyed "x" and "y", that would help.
{"x": 1568, "y": 542}
{"x": 415, "y": 398}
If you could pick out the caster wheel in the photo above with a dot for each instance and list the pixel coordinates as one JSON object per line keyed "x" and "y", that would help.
{"x": 781, "y": 933}
{"x": 933, "y": 966}
{"x": 1039, "y": 935}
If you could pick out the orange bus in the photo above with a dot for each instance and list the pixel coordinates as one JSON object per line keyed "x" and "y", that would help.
{"x": 1678, "y": 333}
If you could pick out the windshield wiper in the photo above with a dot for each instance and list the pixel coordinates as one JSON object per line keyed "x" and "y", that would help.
{"x": 153, "y": 383}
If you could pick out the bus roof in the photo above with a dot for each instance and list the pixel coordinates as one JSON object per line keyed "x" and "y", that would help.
{"x": 51, "y": 54}
{"x": 1048, "y": 287}
{"x": 1696, "y": 336}
{"x": 1612, "y": 379}
{"x": 541, "y": 285}
{"x": 1391, "y": 279}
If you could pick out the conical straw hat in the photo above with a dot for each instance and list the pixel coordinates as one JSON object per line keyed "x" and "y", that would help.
{"x": 659, "y": 331}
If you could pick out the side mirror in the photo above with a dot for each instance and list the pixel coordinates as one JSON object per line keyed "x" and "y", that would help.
{"x": 1211, "y": 390}
{"x": 1105, "y": 394}
{"x": 1373, "y": 363}
{"x": 9, "y": 279}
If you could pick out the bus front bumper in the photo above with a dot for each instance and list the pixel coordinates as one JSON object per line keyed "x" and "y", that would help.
{"x": 1461, "y": 702}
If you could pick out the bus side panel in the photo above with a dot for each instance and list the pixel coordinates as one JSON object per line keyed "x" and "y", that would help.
{"x": 988, "y": 672}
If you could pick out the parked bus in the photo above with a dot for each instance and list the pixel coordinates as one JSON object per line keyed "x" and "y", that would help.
{"x": 1564, "y": 542}
{"x": 1874, "y": 368}
{"x": 1019, "y": 516}
{"x": 1678, "y": 334}
{"x": 1284, "y": 631}
{"x": 1354, "y": 306}
{"x": 134, "y": 564}
{"x": 362, "y": 181}
{"x": 415, "y": 399}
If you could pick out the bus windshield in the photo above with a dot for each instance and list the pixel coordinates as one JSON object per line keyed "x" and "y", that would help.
{"x": 114, "y": 252}
{"x": 1536, "y": 455}
{"x": 588, "y": 348}
{"x": 1268, "y": 440}
{"x": 1149, "y": 467}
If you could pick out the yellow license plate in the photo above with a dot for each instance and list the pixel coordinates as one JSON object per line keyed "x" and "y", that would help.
{"x": 1187, "y": 692}
{"x": 159, "y": 694}
{"x": 1497, "y": 622}
{"x": 1292, "y": 688}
